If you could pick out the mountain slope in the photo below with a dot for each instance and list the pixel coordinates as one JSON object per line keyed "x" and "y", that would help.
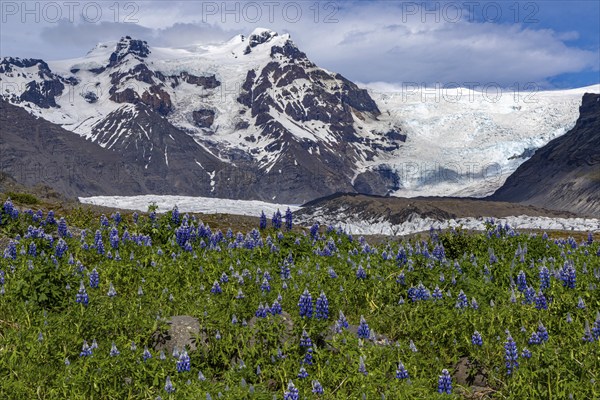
{"x": 564, "y": 174}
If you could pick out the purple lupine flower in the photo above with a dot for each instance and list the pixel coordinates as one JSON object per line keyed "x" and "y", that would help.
{"x": 86, "y": 350}
{"x": 596, "y": 327}
{"x": 462, "y": 301}
{"x": 305, "y": 340}
{"x": 305, "y": 304}
{"x": 342, "y": 322}
{"x": 525, "y": 353}
{"x": 62, "y": 227}
{"x": 302, "y": 374}
{"x": 544, "y": 278}
{"x": 540, "y": 301}
{"x": 363, "y": 329}
{"x": 111, "y": 291}
{"x": 511, "y": 354}
{"x": 32, "y": 251}
{"x": 362, "y": 368}
{"x": 401, "y": 372}
{"x": 276, "y": 220}
{"x": 580, "y": 304}
{"x": 11, "y": 250}
{"x": 317, "y": 388}
{"x": 542, "y": 332}
{"x": 276, "y": 308}
{"x": 322, "y": 307}
{"x": 175, "y": 215}
{"x": 361, "y": 273}
{"x": 216, "y": 288}
{"x": 445, "y": 382}
{"x": 183, "y": 364}
{"x": 288, "y": 219}
{"x": 114, "y": 351}
{"x": 146, "y": 355}
{"x": 521, "y": 281}
{"x": 588, "y": 336}
{"x": 437, "y": 293}
{"x": 169, "y": 386}
{"x": 568, "y": 276}
{"x": 265, "y": 285}
{"x": 308, "y": 357}
{"x": 82, "y": 296}
{"x": 291, "y": 393}
{"x": 261, "y": 312}
{"x": 476, "y": 339}
{"x": 94, "y": 279}
{"x": 534, "y": 338}
{"x": 263, "y": 221}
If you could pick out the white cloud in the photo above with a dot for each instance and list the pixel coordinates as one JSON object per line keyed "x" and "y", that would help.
{"x": 372, "y": 41}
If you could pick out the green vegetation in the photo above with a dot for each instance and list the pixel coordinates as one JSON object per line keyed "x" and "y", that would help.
{"x": 167, "y": 265}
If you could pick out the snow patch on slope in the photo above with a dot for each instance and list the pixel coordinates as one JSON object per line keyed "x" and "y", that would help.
{"x": 203, "y": 205}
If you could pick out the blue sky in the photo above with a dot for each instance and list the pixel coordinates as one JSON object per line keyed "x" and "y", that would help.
{"x": 553, "y": 44}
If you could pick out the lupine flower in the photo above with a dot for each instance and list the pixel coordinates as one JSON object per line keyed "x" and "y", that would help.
{"x": 521, "y": 281}
{"x": 265, "y": 286}
{"x": 588, "y": 336}
{"x": 476, "y": 339}
{"x": 322, "y": 307}
{"x": 342, "y": 321}
{"x": 288, "y": 219}
{"x": 569, "y": 319}
{"x": 82, "y": 296}
{"x": 526, "y": 353}
{"x": 302, "y": 374}
{"x": 401, "y": 372}
{"x": 580, "y": 304}
{"x": 111, "y": 291}
{"x": 169, "y": 386}
{"x": 596, "y": 327}
{"x": 276, "y": 308}
{"x": 305, "y": 340}
{"x": 183, "y": 364}
{"x": 261, "y": 312}
{"x": 511, "y": 354}
{"x": 474, "y": 304}
{"x": 462, "y": 301}
{"x": 305, "y": 304}
{"x": 317, "y": 388}
{"x": 437, "y": 293}
{"x": 94, "y": 279}
{"x": 544, "y": 278}
{"x": 216, "y": 288}
{"x": 568, "y": 276}
{"x": 542, "y": 332}
{"x": 62, "y": 227}
{"x": 308, "y": 357}
{"x": 535, "y": 338}
{"x": 361, "y": 273}
{"x": 146, "y": 355}
{"x": 201, "y": 376}
{"x": 445, "y": 382}
{"x": 114, "y": 351}
{"x": 363, "y": 329}
{"x": 361, "y": 366}
{"x": 291, "y": 393}
{"x": 540, "y": 301}
{"x": 412, "y": 346}
{"x": 276, "y": 220}
{"x": 11, "y": 250}
{"x": 86, "y": 350}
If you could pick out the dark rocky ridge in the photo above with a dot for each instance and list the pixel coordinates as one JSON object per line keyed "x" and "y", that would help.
{"x": 564, "y": 174}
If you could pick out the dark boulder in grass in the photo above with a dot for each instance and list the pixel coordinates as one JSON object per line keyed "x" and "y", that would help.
{"x": 182, "y": 333}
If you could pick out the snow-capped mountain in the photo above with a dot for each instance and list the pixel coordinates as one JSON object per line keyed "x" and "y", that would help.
{"x": 254, "y": 118}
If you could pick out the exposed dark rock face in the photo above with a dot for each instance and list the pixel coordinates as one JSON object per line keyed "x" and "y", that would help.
{"x": 203, "y": 118}
{"x": 126, "y": 46}
{"x": 564, "y": 174}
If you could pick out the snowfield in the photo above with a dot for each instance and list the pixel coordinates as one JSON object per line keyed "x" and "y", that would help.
{"x": 205, "y": 205}
{"x": 351, "y": 224}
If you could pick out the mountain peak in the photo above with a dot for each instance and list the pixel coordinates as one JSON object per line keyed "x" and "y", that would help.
{"x": 128, "y": 46}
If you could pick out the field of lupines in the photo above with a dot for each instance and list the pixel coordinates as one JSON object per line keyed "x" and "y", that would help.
{"x": 292, "y": 313}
